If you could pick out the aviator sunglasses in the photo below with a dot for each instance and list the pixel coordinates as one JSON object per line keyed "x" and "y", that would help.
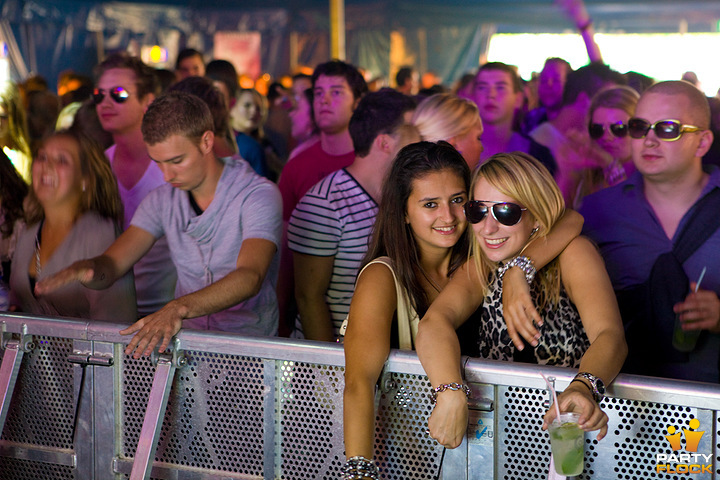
{"x": 597, "y": 130}
{"x": 668, "y": 130}
{"x": 118, "y": 94}
{"x": 506, "y": 213}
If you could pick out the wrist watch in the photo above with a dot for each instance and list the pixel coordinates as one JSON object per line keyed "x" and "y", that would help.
{"x": 596, "y": 385}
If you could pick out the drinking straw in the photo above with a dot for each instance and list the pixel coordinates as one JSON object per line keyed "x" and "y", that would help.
{"x": 555, "y": 400}
{"x": 702, "y": 275}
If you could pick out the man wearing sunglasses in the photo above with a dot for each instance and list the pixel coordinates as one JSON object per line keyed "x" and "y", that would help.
{"x": 124, "y": 89}
{"x": 659, "y": 230}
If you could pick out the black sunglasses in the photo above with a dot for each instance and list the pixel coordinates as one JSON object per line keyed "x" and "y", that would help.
{"x": 507, "y": 213}
{"x": 118, "y": 94}
{"x": 668, "y": 130}
{"x": 597, "y": 130}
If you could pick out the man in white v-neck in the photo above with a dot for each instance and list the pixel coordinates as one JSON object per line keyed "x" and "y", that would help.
{"x": 125, "y": 87}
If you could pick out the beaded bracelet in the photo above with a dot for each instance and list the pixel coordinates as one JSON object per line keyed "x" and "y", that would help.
{"x": 448, "y": 386}
{"x": 523, "y": 263}
{"x": 358, "y": 468}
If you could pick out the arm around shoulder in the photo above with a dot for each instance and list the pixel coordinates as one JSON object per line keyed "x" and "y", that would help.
{"x": 520, "y": 314}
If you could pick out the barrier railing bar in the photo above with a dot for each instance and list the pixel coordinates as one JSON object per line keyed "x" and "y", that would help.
{"x": 483, "y": 371}
{"x": 152, "y": 423}
{"x": 12, "y": 359}
{"x": 631, "y": 387}
{"x": 21, "y": 451}
{"x": 269, "y": 402}
{"x": 171, "y": 471}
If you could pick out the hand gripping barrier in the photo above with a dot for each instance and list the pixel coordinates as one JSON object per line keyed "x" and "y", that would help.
{"x": 230, "y": 407}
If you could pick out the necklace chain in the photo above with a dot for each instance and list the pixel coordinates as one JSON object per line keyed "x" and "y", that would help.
{"x": 38, "y": 266}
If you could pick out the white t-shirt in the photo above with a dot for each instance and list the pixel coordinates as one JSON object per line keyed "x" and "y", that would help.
{"x": 154, "y": 274}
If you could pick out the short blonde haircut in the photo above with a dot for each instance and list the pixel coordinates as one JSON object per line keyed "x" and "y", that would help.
{"x": 525, "y": 180}
{"x": 444, "y": 116}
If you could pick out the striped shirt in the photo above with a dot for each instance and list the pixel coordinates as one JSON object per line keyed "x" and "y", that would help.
{"x": 335, "y": 218}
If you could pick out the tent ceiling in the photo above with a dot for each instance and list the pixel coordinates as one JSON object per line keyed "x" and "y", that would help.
{"x": 509, "y": 15}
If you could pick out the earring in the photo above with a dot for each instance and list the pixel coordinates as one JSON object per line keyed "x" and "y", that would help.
{"x": 534, "y": 231}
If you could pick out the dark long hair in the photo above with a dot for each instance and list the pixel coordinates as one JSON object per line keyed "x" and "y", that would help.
{"x": 392, "y": 236}
{"x": 13, "y": 191}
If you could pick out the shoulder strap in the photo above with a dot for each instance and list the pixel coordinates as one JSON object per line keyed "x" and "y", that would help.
{"x": 407, "y": 318}
{"x": 705, "y": 220}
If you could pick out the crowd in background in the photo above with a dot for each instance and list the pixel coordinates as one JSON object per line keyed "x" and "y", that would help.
{"x": 329, "y": 206}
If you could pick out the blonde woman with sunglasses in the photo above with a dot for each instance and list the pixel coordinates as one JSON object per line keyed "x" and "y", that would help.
{"x": 515, "y": 203}
{"x": 610, "y": 111}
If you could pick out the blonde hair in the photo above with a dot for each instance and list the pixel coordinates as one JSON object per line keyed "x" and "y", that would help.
{"x": 17, "y": 137}
{"x": 444, "y": 116}
{"x": 622, "y": 98}
{"x": 529, "y": 183}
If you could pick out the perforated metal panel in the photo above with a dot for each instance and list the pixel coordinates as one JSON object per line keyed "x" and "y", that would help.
{"x": 137, "y": 377}
{"x": 628, "y": 452}
{"x": 524, "y": 447}
{"x": 266, "y": 416}
{"x": 43, "y": 407}
{"x": 310, "y": 416}
{"x": 16, "y": 469}
{"x": 214, "y": 418}
{"x": 638, "y": 434}
{"x": 403, "y": 447}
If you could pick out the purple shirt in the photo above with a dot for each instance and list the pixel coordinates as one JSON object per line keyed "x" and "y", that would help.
{"x": 622, "y": 223}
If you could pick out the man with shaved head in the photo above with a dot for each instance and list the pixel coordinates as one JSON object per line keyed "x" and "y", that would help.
{"x": 659, "y": 231}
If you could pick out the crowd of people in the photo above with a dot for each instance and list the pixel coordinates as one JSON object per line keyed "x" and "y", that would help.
{"x": 439, "y": 220}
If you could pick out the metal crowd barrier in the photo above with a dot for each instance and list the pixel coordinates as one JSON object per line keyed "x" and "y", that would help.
{"x": 230, "y": 407}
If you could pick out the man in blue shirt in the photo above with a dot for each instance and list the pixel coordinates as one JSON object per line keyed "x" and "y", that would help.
{"x": 667, "y": 205}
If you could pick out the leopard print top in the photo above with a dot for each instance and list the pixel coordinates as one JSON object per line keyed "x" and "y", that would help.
{"x": 563, "y": 340}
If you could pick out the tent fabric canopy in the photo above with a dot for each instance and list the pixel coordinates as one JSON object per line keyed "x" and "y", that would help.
{"x": 54, "y": 35}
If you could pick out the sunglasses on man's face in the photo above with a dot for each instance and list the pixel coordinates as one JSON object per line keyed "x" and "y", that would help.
{"x": 506, "y": 213}
{"x": 597, "y": 130}
{"x": 668, "y": 130}
{"x": 118, "y": 94}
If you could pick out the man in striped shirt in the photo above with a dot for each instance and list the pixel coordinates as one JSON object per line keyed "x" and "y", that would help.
{"x": 330, "y": 228}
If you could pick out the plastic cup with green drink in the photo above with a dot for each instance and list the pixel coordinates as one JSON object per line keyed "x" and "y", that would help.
{"x": 685, "y": 340}
{"x": 567, "y": 442}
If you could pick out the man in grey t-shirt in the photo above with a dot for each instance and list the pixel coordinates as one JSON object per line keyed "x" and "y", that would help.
{"x": 223, "y": 226}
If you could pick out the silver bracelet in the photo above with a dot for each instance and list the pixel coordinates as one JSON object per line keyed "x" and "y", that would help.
{"x": 448, "y": 386}
{"x": 358, "y": 468}
{"x": 523, "y": 263}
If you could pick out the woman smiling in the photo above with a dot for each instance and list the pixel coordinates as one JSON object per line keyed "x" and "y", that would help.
{"x": 73, "y": 212}
{"x": 515, "y": 203}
